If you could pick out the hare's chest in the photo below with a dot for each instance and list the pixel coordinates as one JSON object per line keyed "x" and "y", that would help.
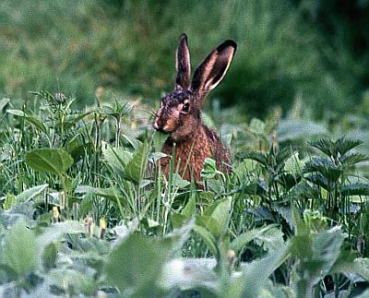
{"x": 188, "y": 159}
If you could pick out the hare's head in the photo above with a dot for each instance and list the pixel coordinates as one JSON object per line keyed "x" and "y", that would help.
{"x": 179, "y": 113}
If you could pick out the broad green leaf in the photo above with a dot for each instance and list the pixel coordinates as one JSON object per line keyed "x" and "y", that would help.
{"x": 117, "y": 158}
{"x": 258, "y": 157}
{"x": 20, "y": 249}
{"x": 33, "y": 120}
{"x": 355, "y": 189}
{"x": 30, "y": 193}
{"x": 179, "y": 236}
{"x": 190, "y": 208}
{"x": 50, "y": 256}
{"x": 136, "y": 144}
{"x": 207, "y": 237}
{"x": 3, "y": 103}
{"x": 319, "y": 180}
{"x": 331, "y": 148}
{"x": 270, "y": 239}
{"x": 210, "y": 224}
{"x": 74, "y": 118}
{"x": 220, "y": 212}
{"x": 294, "y": 165}
{"x": 325, "y": 166}
{"x": 358, "y": 266}
{"x": 257, "y": 126}
{"x": 255, "y": 275}
{"x": 137, "y": 165}
{"x": 71, "y": 281}
{"x": 155, "y": 156}
{"x": 191, "y": 274}
{"x": 159, "y": 139}
{"x": 324, "y": 145}
{"x": 351, "y": 159}
{"x": 178, "y": 181}
{"x": 53, "y": 161}
{"x": 209, "y": 169}
{"x": 344, "y": 145}
{"x": 134, "y": 265}
{"x": 270, "y": 235}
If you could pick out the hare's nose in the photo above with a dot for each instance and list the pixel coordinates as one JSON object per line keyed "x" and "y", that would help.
{"x": 157, "y": 125}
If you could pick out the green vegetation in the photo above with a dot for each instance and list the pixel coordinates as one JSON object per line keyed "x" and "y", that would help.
{"x": 84, "y": 211}
{"x": 287, "y": 50}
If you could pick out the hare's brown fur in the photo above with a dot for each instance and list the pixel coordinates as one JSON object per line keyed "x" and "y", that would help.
{"x": 190, "y": 154}
{"x": 180, "y": 113}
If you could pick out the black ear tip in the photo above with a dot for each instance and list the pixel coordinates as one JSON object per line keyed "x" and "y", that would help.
{"x": 231, "y": 43}
{"x": 227, "y": 45}
{"x": 183, "y": 37}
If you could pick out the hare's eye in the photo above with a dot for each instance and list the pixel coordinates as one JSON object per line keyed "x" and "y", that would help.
{"x": 186, "y": 108}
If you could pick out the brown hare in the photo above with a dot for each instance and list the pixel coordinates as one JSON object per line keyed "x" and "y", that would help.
{"x": 180, "y": 112}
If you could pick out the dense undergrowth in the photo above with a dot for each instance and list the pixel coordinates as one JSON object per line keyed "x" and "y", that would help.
{"x": 85, "y": 212}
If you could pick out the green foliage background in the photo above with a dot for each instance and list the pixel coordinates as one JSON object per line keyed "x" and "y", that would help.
{"x": 288, "y": 50}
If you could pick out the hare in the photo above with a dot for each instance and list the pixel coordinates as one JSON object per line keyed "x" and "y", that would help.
{"x": 180, "y": 113}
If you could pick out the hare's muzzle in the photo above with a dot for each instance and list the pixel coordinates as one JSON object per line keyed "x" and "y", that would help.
{"x": 164, "y": 125}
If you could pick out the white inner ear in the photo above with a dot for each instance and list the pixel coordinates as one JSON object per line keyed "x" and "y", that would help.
{"x": 226, "y": 55}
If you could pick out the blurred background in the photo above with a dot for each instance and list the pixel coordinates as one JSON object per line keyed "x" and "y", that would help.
{"x": 305, "y": 53}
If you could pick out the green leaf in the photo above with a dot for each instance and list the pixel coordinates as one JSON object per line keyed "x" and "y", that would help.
{"x": 270, "y": 235}
{"x": 344, "y": 145}
{"x": 355, "y": 189}
{"x": 33, "y": 120}
{"x": 326, "y": 248}
{"x": 221, "y": 213}
{"x": 137, "y": 165}
{"x": 257, "y": 126}
{"x": 324, "y": 145}
{"x": 179, "y": 182}
{"x": 294, "y": 165}
{"x": 207, "y": 237}
{"x": 270, "y": 239}
{"x": 53, "y": 161}
{"x": 134, "y": 265}
{"x": 209, "y": 169}
{"x": 20, "y": 249}
{"x": 159, "y": 139}
{"x": 358, "y": 266}
{"x": 284, "y": 154}
{"x": 190, "y": 209}
{"x": 258, "y": 157}
{"x": 319, "y": 180}
{"x": 71, "y": 281}
{"x": 330, "y": 148}
{"x": 117, "y": 158}
{"x": 210, "y": 224}
{"x": 30, "y": 193}
{"x": 325, "y": 166}
{"x": 255, "y": 275}
{"x": 3, "y": 103}
{"x": 352, "y": 159}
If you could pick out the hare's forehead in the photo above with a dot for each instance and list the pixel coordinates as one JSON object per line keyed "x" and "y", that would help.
{"x": 177, "y": 97}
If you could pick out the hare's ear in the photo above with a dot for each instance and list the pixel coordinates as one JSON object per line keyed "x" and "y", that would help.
{"x": 212, "y": 70}
{"x": 183, "y": 64}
